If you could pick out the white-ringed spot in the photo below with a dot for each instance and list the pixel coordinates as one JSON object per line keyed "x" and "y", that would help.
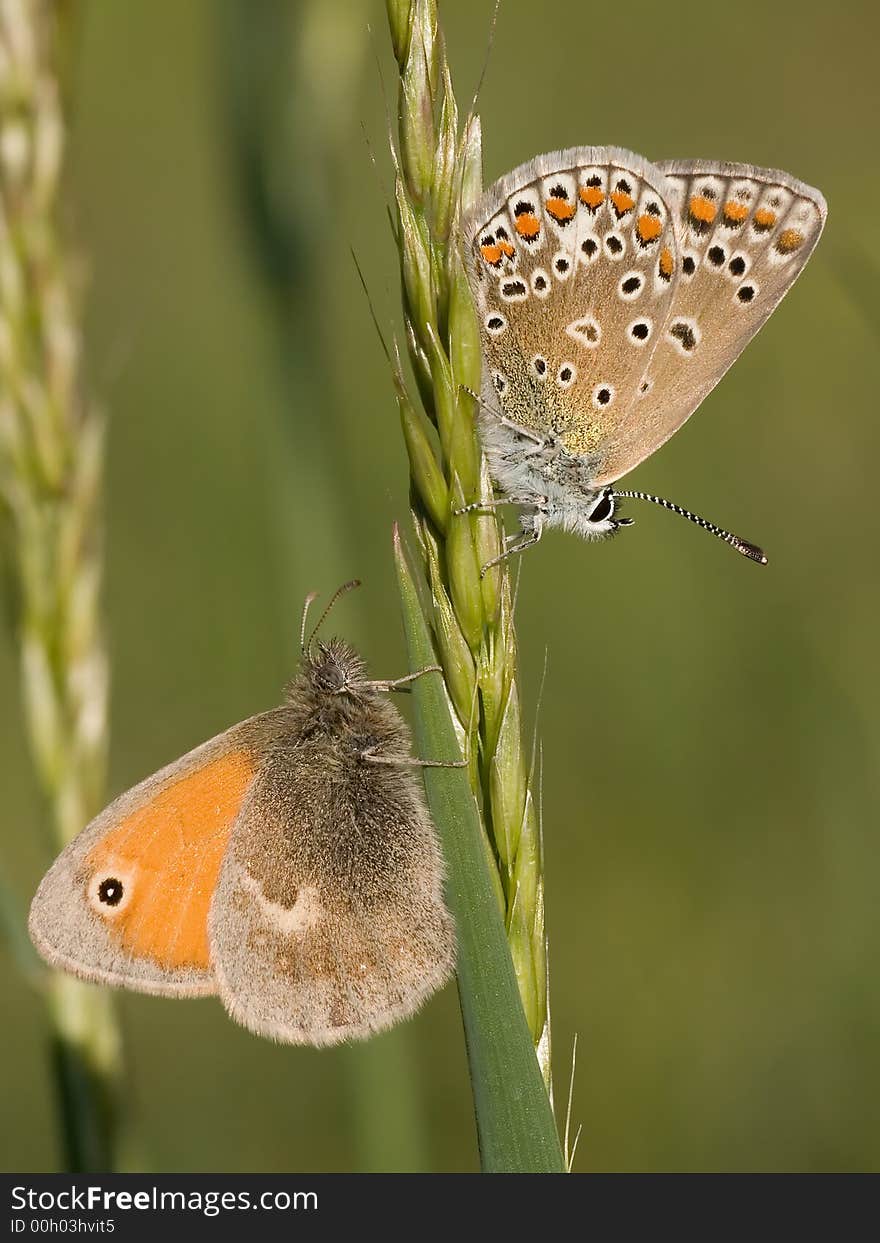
{"x": 110, "y": 890}
{"x": 586, "y": 331}
{"x": 562, "y": 265}
{"x": 603, "y": 395}
{"x": 737, "y": 266}
{"x": 614, "y": 246}
{"x": 513, "y": 289}
{"x": 540, "y": 283}
{"x": 639, "y": 331}
{"x": 631, "y": 286}
{"x": 684, "y": 334}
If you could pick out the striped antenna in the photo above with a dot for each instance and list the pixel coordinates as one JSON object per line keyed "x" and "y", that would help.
{"x": 752, "y": 551}
{"x": 306, "y": 648}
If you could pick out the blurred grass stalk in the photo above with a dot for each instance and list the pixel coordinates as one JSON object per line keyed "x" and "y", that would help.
{"x": 439, "y": 173}
{"x": 51, "y": 463}
{"x": 289, "y": 81}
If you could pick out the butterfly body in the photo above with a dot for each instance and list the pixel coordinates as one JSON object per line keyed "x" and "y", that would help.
{"x": 554, "y": 487}
{"x": 612, "y": 296}
{"x": 289, "y": 865}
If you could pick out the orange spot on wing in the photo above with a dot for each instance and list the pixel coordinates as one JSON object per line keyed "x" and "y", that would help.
{"x": 622, "y": 201}
{"x": 735, "y": 213}
{"x": 667, "y": 263}
{"x": 765, "y": 218}
{"x": 702, "y": 209}
{"x": 172, "y": 849}
{"x": 591, "y": 196}
{"x": 527, "y": 225}
{"x": 507, "y": 248}
{"x": 492, "y": 254}
{"x": 559, "y": 209}
{"x": 649, "y": 228}
{"x": 789, "y": 240}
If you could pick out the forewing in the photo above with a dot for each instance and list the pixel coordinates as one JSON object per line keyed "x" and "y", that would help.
{"x": 126, "y": 903}
{"x": 746, "y": 234}
{"x": 573, "y": 263}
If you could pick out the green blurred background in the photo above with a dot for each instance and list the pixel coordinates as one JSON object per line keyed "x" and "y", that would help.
{"x": 710, "y": 729}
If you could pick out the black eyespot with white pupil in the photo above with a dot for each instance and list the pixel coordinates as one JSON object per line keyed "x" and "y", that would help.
{"x": 111, "y": 891}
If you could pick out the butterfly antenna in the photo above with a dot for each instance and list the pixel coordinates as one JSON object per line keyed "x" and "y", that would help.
{"x": 307, "y": 604}
{"x": 340, "y": 591}
{"x": 752, "y": 551}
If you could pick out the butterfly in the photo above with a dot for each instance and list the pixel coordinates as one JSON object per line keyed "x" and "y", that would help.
{"x": 613, "y": 294}
{"x": 289, "y": 865}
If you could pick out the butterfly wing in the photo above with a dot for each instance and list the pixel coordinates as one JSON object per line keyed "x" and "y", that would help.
{"x": 126, "y": 902}
{"x": 573, "y": 261}
{"x": 746, "y": 234}
{"x": 328, "y": 922}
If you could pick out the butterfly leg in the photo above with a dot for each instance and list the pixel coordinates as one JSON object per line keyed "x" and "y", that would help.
{"x": 409, "y": 761}
{"x": 372, "y": 757}
{"x": 529, "y": 538}
{"x": 402, "y": 684}
{"x": 498, "y": 502}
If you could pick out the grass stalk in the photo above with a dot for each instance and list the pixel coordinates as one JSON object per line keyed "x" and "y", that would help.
{"x": 51, "y": 465}
{"x": 439, "y": 173}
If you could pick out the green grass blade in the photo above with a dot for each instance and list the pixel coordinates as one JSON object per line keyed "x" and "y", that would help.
{"x": 515, "y": 1124}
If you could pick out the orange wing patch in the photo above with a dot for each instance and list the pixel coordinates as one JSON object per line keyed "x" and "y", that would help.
{"x": 648, "y": 228}
{"x": 763, "y": 219}
{"x": 702, "y": 209}
{"x": 623, "y": 202}
{"x": 789, "y": 241}
{"x": 154, "y": 874}
{"x": 560, "y": 209}
{"x": 735, "y": 213}
{"x": 527, "y": 225}
{"x": 591, "y": 196}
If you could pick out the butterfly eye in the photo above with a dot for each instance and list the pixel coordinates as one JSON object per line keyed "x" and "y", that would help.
{"x": 330, "y": 677}
{"x": 604, "y": 509}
